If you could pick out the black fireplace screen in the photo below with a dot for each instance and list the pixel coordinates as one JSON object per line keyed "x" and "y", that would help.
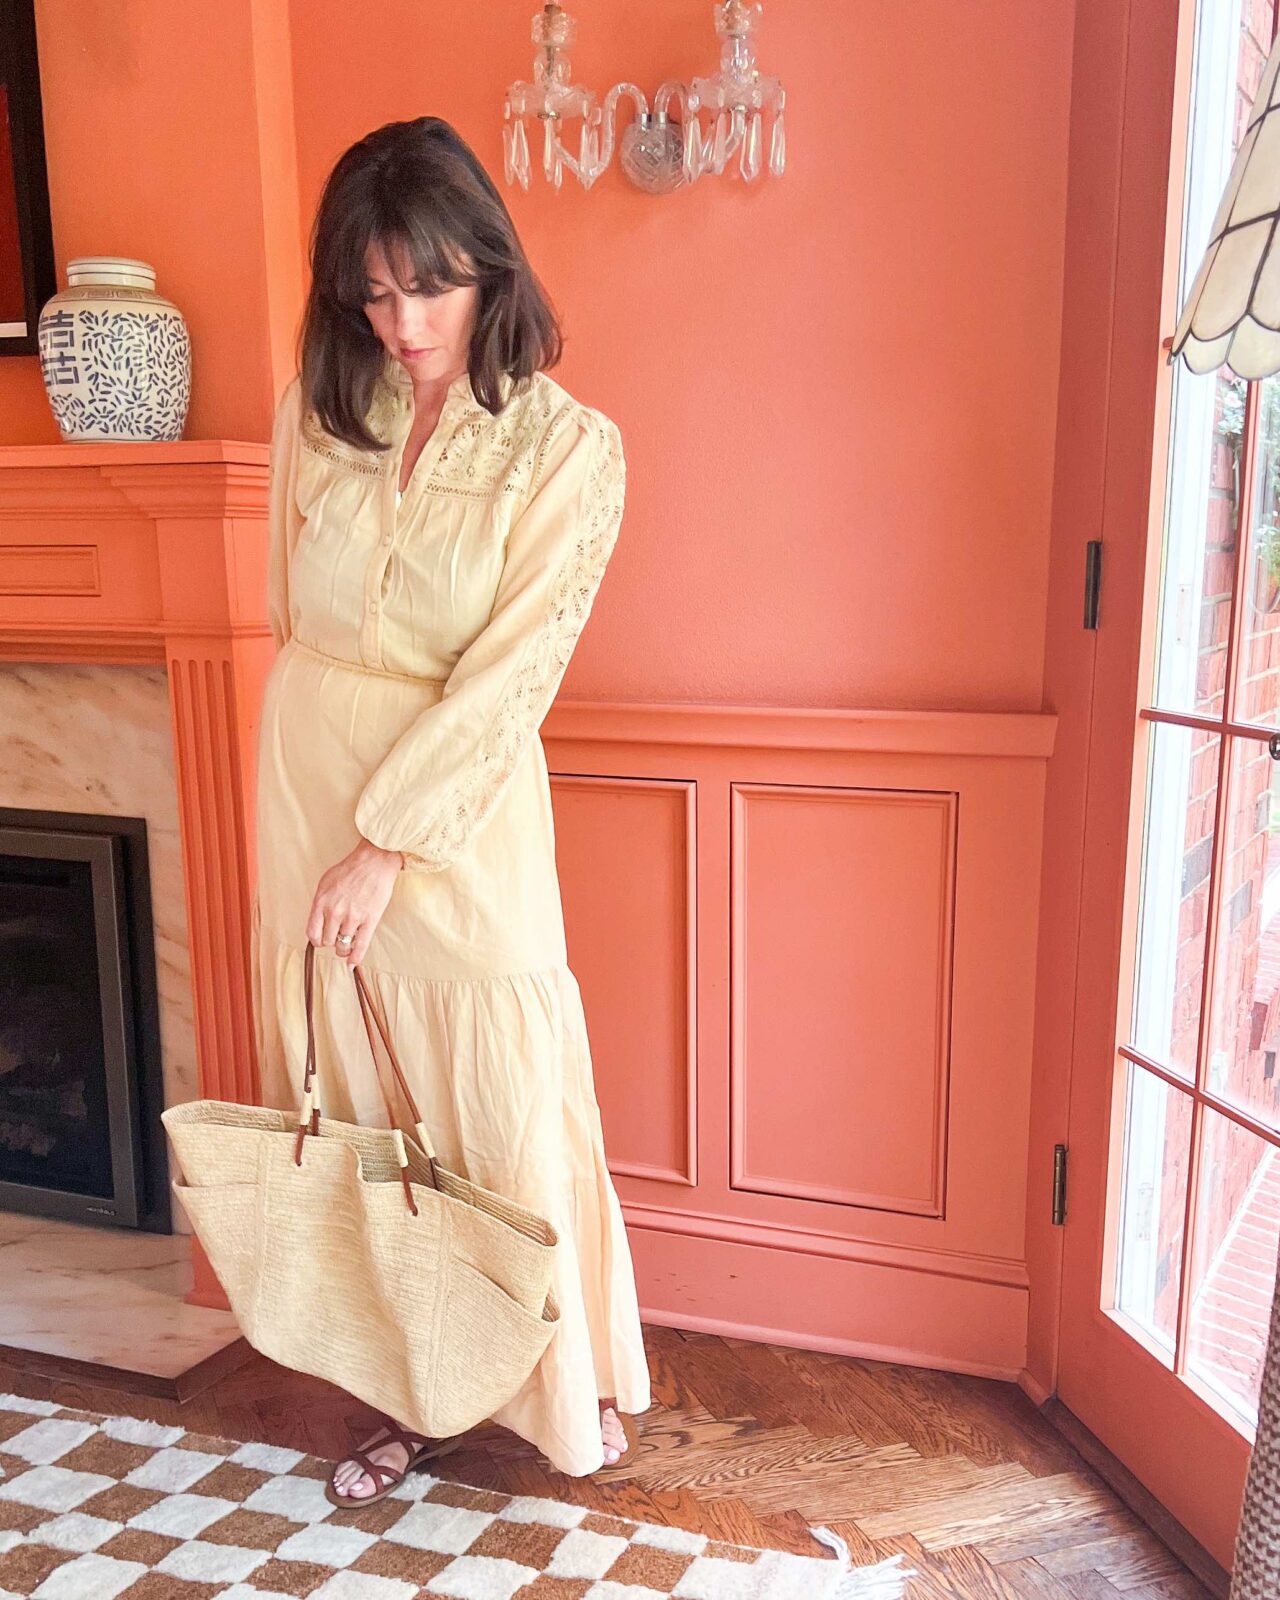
{"x": 80, "y": 1082}
{"x": 54, "y": 1130}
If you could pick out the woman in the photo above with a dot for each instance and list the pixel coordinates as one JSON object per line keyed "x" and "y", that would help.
{"x": 441, "y": 515}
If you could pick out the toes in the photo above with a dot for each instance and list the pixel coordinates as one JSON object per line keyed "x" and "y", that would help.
{"x": 351, "y": 1481}
{"x": 613, "y": 1435}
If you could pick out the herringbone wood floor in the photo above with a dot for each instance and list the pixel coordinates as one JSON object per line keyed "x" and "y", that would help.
{"x": 753, "y": 1442}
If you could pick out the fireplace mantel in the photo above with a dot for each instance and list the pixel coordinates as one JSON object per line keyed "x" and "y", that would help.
{"x": 110, "y": 551}
{"x": 155, "y": 554}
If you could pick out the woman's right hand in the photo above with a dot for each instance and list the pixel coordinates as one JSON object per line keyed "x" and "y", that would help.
{"x": 351, "y": 898}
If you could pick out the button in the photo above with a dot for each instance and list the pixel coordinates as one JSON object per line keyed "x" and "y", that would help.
{"x": 373, "y": 605}
{"x": 386, "y": 538}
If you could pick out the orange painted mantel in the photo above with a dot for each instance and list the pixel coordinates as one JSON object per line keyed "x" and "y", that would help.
{"x": 155, "y": 554}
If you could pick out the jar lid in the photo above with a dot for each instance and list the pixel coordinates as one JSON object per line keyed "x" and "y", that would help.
{"x": 122, "y": 271}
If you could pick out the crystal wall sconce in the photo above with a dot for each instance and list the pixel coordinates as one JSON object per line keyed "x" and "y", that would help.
{"x": 656, "y": 153}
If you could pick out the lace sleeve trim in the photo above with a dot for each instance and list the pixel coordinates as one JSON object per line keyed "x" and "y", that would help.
{"x": 532, "y": 687}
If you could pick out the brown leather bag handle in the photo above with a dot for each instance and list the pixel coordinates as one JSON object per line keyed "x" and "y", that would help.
{"x": 309, "y": 1111}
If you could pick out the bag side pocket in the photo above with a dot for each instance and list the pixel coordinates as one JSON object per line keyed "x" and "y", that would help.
{"x": 227, "y": 1221}
{"x": 482, "y": 1320}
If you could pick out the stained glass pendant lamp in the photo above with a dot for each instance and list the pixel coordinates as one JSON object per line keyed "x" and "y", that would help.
{"x": 1232, "y": 311}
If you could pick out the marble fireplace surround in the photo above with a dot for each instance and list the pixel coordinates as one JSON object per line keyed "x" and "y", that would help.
{"x": 155, "y": 555}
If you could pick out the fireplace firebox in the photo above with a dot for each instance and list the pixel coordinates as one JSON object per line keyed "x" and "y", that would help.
{"x": 81, "y": 1088}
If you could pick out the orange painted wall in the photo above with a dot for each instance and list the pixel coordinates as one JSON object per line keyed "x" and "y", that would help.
{"x": 838, "y": 391}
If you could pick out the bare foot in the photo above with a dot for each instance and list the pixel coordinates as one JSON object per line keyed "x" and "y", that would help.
{"x": 611, "y": 1431}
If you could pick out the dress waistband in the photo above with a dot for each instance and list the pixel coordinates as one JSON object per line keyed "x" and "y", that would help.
{"x": 359, "y": 666}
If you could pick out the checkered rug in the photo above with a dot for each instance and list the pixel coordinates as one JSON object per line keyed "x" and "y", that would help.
{"x": 112, "y": 1508}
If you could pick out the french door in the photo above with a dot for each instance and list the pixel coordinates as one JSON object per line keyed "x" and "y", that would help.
{"x": 1170, "y": 1249}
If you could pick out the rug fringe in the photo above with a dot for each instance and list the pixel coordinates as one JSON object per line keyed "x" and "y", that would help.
{"x": 884, "y": 1581}
{"x": 833, "y": 1541}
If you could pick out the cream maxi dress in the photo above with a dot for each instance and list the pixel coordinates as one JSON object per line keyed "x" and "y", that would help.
{"x": 421, "y": 641}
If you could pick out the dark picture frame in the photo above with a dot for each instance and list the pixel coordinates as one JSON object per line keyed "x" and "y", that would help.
{"x": 27, "y": 276}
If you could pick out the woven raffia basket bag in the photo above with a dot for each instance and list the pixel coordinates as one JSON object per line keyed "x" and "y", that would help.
{"x": 350, "y": 1253}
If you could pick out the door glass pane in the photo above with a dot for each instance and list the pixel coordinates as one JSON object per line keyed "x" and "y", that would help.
{"x": 1200, "y": 541}
{"x": 1258, "y": 672}
{"x": 1245, "y": 1015}
{"x": 1182, "y": 789}
{"x": 1237, "y": 1228}
{"x": 1233, "y": 39}
{"x": 1157, "y": 1142}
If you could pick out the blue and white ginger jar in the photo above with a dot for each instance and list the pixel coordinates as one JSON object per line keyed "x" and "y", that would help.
{"x": 115, "y": 355}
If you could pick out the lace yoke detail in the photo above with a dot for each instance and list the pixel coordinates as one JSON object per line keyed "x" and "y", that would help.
{"x": 338, "y": 452}
{"x": 482, "y": 455}
{"x": 380, "y": 417}
{"x": 485, "y": 455}
{"x": 546, "y": 656}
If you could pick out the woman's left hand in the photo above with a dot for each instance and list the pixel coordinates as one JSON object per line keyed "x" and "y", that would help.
{"x": 351, "y": 897}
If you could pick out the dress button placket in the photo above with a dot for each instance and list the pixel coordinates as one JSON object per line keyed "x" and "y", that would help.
{"x": 378, "y": 563}
{"x": 390, "y": 513}
{"x": 393, "y": 503}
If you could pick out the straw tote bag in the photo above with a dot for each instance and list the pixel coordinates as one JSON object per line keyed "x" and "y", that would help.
{"x": 350, "y": 1253}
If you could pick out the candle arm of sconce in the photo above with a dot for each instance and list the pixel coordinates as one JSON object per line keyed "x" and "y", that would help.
{"x": 605, "y": 122}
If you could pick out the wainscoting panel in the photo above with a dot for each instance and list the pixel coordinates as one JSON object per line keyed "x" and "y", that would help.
{"x": 625, "y": 852}
{"x": 806, "y": 946}
{"x": 842, "y": 993}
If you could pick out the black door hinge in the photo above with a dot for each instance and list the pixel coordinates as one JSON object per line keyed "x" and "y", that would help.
{"x": 1059, "y": 1185}
{"x": 1092, "y": 581}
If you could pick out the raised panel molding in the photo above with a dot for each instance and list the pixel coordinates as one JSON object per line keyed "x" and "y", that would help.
{"x": 843, "y": 904}
{"x": 632, "y": 948}
{"x": 69, "y": 569}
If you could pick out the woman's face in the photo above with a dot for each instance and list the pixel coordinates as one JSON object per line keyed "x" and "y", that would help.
{"x": 429, "y": 334}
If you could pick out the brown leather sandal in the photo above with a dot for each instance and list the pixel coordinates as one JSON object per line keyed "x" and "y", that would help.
{"x": 418, "y": 1448}
{"x": 630, "y": 1427}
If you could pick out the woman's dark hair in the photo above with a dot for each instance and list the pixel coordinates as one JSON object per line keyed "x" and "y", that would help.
{"x": 417, "y": 185}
